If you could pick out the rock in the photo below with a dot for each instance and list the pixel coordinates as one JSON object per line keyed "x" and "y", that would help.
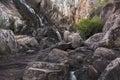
{"x": 7, "y": 14}
{"x": 92, "y": 72}
{"x": 74, "y": 38}
{"x": 106, "y": 12}
{"x": 104, "y": 53}
{"x": 94, "y": 39}
{"x": 47, "y": 42}
{"x": 112, "y": 71}
{"x": 63, "y": 46}
{"x": 76, "y": 10}
{"x": 45, "y": 71}
{"x": 8, "y": 43}
{"x": 55, "y": 56}
{"x": 27, "y": 42}
{"x": 101, "y": 58}
{"x": 79, "y": 56}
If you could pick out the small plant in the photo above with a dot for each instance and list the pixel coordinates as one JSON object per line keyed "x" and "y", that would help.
{"x": 88, "y": 27}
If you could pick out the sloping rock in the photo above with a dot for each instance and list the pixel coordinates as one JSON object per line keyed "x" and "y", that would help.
{"x": 45, "y": 71}
{"x": 94, "y": 39}
{"x": 106, "y": 12}
{"x": 112, "y": 71}
{"x": 8, "y": 43}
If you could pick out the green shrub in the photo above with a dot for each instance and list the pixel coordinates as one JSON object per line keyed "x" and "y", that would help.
{"x": 88, "y": 27}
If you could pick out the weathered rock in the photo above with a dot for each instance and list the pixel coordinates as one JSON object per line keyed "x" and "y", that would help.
{"x": 74, "y": 38}
{"x": 8, "y": 43}
{"x": 8, "y": 13}
{"x": 92, "y": 72}
{"x": 55, "y": 56}
{"x": 113, "y": 16}
{"x": 27, "y": 42}
{"x": 75, "y": 9}
{"x": 101, "y": 58}
{"x": 45, "y": 71}
{"x": 104, "y": 53}
{"x": 94, "y": 39}
{"x": 106, "y": 12}
{"x": 112, "y": 71}
{"x": 47, "y": 42}
{"x": 28, "y": 13}
{"x": 79, "y": 56}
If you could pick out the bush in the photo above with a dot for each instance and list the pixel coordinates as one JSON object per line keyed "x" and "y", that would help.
{"x": 88, "y": 27}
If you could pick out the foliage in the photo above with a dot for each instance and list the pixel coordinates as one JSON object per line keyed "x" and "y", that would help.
{"x": 88, "y": 27}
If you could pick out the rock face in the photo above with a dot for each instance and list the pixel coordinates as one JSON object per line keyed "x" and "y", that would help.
{"x": 45, "y": 71}
{"x": 75, "y": 9}
{"x": 112, "y": 71}
{"x": 8, "y": 43}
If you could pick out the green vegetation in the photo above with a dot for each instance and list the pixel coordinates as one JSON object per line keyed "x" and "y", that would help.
{"x": 88, "y": 27}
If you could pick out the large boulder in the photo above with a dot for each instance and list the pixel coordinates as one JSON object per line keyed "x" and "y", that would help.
{"x": 94, "y": 39}
{"x": 45, "y": 71}
{"x": 8, "y": 43}
{"x": 112, "y": 71}
{"x": 74, "y": 38}
{"x": 100, "y": 59}
{"x": 55, "y": 56}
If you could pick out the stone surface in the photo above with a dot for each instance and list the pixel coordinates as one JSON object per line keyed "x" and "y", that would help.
{"x": 8, "y": 43}
{"x": 45, "y": 71}
{"x": 55, "y": 55}
{"x": 74, "y": 38}
{"x": 94, "y": 39}
{"x": 112, "y": 71}
{"x": 26, "y": 42}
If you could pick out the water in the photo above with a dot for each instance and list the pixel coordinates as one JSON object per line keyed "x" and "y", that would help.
{"x": 59, "y": 35}
{"x": 31, "y": 10}
{"x": 72, "y": 76}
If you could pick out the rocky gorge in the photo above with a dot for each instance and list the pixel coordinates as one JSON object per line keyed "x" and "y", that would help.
{"x": 38, "y": 41}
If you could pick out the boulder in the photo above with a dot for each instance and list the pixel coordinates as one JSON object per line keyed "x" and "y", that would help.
{"x": 94, "y": 39}
{"x": 45, "y": 71}
{"x": 112, "y": 71}
{"x": 79, "y": 56}
{"x": 100, "y": 59}
{"x": 74, "y": 38}
{"x": 55, "y": 56}
{"x": 26, "y": 42}
{"x": 8, "y": 43}
{"x": 105, "y": 53}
